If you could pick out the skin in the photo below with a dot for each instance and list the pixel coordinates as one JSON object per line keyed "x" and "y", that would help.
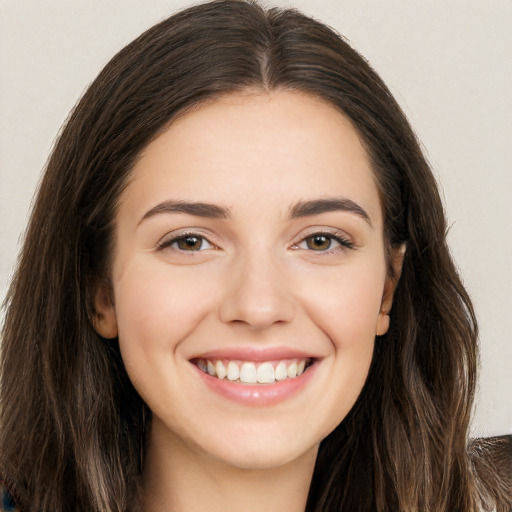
{"x": 255, "y": 280}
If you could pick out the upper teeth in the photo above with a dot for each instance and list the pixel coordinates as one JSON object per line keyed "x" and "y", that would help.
{"x": 252, "y": 373}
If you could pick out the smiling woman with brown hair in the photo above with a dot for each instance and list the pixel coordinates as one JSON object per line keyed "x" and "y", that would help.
{"x": 235, "y": 290}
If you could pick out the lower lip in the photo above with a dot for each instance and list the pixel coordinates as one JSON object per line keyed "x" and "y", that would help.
{"x": 257, "y": 394}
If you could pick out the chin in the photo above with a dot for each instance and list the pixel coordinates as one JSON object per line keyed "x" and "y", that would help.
{"x": 264, "y": 456}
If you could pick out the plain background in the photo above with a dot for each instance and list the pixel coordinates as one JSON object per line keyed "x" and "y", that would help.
{"x": 448, "y": 62}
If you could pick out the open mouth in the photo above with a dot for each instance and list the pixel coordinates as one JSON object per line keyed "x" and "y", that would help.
{"x": 250, "y": 372}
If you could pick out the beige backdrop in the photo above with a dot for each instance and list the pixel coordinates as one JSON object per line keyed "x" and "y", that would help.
{"x": 449, "y": 63}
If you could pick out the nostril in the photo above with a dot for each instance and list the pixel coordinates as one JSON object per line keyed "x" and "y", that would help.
{"x": 256, "y": 313}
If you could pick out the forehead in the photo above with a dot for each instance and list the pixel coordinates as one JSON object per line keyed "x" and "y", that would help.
{"x": 279, "y": 147}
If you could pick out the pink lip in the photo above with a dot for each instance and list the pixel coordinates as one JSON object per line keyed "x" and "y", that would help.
{"x": 255, "y": 355}
{"x": 256, "y": 394}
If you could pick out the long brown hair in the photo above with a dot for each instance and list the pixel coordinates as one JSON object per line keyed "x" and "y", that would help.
{"x": 72, "y": 426}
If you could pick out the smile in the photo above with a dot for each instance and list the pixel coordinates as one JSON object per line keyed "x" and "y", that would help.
{"x": 249, "y": 372}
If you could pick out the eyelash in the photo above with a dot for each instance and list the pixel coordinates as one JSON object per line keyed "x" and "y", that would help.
{"x": 344, "y": 242}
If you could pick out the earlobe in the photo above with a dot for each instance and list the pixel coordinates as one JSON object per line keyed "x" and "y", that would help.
{"x": 104, "y": 315}
{"x": 389, "y": 290}
{"x": 382, "y": 324}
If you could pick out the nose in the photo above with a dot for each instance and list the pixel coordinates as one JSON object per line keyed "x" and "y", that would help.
{"x": 257, "y": 295}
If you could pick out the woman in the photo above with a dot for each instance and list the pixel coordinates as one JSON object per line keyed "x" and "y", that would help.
{"x": 240, "y": 294}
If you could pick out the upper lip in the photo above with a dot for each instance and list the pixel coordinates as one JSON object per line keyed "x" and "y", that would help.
{"x": 254, "y": 354}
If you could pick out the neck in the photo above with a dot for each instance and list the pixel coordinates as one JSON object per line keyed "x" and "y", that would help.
{"x": 179, "y": 478}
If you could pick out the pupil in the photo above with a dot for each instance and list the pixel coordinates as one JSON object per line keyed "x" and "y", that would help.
{"x": 320, "y": 243}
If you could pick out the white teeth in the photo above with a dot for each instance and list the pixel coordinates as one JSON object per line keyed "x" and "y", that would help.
{"x": 248, "y": 373}
{"x": 266, "y": 373}
{"x": 220, "y": 369}
{"x": 292, "y": 371}
{"x": 280, "y": 372}
{"x": 233, "y": 371}
{"x": 251, "y": 372}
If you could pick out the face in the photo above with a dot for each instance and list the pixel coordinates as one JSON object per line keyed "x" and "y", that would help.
{"x": 249, "y": 277}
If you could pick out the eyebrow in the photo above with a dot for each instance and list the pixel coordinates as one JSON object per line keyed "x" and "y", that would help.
{"x": 331, "y": 204}
{"x": 207, "y": 210}
{"x": 300, "y": 209}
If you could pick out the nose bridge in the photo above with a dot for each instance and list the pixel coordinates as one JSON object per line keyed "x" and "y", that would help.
{"x": 257, "y": 292}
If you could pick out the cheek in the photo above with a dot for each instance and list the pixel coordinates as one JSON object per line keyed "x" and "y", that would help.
{"x": 345, "y": 309}
{"x": 158, "y": 308}
{"x": 347, "y": 306}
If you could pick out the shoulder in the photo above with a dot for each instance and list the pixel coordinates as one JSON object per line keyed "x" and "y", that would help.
{"x": 491, "y": 461}
{"x": 494, "y": 453}
{"x": 7, "y": 503}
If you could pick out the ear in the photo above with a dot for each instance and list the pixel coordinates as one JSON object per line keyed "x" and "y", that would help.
{"x": 104, "y": 315}
{"x": 397, "y": 256}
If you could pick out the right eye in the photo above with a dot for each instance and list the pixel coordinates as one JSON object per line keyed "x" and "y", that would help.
{"x": 187, "y": 243}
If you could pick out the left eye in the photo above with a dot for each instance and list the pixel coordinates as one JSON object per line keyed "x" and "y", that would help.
{"x": 189, "y": 243}
{"x": 322, "y": 242}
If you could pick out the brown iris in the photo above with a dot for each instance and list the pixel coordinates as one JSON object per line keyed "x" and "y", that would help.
{"x": 189, "y": 243}
{"x": 319, "y": 242}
